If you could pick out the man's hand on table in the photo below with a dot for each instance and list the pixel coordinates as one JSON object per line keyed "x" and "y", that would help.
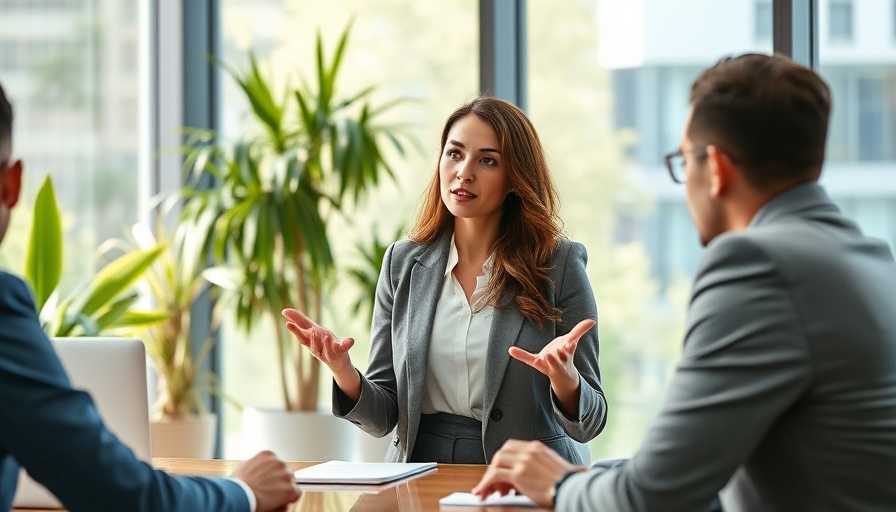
{"x": 529, "y": 467}
{"x": 271, "y": 481}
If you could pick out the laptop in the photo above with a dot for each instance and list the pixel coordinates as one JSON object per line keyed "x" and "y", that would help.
{"x": 113, "y": 371}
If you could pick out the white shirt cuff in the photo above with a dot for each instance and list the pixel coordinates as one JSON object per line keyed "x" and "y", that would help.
{"x": 249, "y": 492}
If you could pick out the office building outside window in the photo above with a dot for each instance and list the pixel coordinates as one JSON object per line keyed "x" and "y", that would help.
{"x": 610, "y": 98}
{"x": 619, "y": 114}
{"x": 840, "y": 23}
{"x": 859, "y": 173}
{"x": 763, "y": 20}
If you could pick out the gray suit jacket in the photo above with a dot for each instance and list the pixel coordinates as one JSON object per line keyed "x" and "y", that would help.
{"x": 788, "y": 374}
{"x": 518, "y": 401}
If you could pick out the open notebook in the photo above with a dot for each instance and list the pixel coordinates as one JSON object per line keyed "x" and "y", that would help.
{"x": 113, "y": 371}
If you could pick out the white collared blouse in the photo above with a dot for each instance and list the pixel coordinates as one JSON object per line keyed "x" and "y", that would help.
{"x": 455, "y": 376}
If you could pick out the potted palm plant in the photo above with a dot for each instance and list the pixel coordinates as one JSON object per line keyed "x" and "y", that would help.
{"x": 309, "y": 154}
{"x": 181, "y": 426}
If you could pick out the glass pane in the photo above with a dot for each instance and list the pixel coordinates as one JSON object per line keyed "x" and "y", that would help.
{"x": 840, "y": 20}
{"x": 860, "y": 173}
{"x": 70, "y": 69}
{"x": 609, "y": 95}
{"x": 763, "y": 20}
{"x": 405, "y": 48}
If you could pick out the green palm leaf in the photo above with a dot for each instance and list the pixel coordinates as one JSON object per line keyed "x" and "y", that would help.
{"x": 117, "y": 277}
{"x": 43, "y": 259}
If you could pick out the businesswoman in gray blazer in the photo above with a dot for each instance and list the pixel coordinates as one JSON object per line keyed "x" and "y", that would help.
{"x": 483, "y": 322}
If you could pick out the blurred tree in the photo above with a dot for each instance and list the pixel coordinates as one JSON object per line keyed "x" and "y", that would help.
{"x": 571, "y": 105}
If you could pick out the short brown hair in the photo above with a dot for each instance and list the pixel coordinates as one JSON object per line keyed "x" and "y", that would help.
{"x": 530, "y": 226}
{"x": 768, "y": 113}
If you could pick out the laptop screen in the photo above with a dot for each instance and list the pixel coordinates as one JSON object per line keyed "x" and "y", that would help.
{"x": 113, "y": 371}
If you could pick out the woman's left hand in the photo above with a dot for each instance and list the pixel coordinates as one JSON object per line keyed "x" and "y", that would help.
{"x": 556, "y": 359}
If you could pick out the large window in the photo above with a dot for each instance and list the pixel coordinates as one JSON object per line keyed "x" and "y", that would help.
{"x": 609, "y": 95}
{"x": 406, "y": 48}
{"x": 69, "y": 68}
{"x": 607, "y": 92}
{"x": 860, "y": 173}
{"x": 863, "y": 124}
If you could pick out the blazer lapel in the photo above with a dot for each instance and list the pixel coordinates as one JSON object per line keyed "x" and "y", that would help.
{"x": 425, "y": 287}
{"x": 505, "y": 332}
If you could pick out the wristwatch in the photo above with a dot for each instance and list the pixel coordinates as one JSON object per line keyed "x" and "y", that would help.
{"x": 556, "y": 488}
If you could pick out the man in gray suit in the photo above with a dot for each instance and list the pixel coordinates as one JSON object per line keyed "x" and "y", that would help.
{"x": 786, "y": 390}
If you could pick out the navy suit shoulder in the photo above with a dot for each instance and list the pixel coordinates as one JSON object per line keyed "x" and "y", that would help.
{"x": 55, "y": 433}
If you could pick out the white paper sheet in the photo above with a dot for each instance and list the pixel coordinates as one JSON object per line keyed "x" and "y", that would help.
{"x": 465, "y": 499}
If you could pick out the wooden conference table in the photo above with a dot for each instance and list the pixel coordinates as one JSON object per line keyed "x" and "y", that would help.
{"x": 418, "y": 494}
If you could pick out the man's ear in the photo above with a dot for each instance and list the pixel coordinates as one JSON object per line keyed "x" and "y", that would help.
{"x": 11, "y": 184}
{"x": 721, "y": 169}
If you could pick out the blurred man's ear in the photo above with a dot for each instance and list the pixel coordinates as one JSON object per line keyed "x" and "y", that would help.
{"x": 11, "y": 184}
{"x": 721, "y": 170}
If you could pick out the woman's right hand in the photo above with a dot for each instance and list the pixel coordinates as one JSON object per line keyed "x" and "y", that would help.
{"x": 323, "y": 344}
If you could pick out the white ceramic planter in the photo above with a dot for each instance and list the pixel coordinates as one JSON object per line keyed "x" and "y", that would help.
{"x": 191, "y": 437}
{"x": 372, "y": 449}
{"x": 293, "y": 435}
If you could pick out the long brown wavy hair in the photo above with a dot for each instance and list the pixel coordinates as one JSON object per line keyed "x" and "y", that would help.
{"x": 529, "y": 227}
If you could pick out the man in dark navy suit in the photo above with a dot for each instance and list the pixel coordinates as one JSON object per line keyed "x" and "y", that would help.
{"x": 56, "y": 434}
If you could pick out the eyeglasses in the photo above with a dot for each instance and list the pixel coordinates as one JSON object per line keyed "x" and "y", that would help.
{"x": 677, "y": 164}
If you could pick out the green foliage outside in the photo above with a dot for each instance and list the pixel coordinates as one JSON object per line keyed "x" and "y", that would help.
{"x": 640, "y": 325}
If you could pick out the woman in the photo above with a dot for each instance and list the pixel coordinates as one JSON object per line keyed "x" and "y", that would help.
{"x": 482, "y": 324}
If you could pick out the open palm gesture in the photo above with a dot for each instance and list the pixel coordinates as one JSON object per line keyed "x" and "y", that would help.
{"x": 323, "y": 344}
{"x": 556, "y": 358}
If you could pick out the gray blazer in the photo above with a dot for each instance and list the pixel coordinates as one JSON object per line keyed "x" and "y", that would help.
{"x": 788, "y": 375}
{"x": 518, "y": 401}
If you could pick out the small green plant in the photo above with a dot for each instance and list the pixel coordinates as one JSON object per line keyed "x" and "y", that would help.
{"x": 103, "y": 305}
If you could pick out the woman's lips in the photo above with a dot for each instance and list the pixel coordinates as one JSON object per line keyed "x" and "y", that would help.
{"x": 462, "y": 194}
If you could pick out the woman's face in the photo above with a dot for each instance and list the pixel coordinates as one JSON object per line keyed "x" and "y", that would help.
{"x": 472, "y": 174}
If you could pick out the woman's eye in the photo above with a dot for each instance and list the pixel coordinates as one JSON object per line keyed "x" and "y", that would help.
{"x": 453, "y": 153}
{"x": 489, "y": 160}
